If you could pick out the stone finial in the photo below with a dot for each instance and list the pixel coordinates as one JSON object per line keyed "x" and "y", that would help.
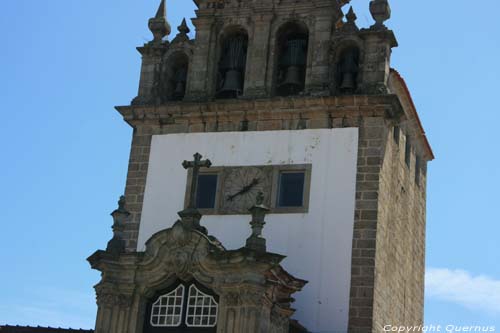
{"x": 117, "y": 245}
{"x": 159, "y": 25}
{"x": 256, "y": 242}
{"x": 381, "y": 12}
{"x": 184, "y": 30}
{"x": 350, "y": 26}
{"x": 351, "y": 16}
{"x": 121, "y": 204}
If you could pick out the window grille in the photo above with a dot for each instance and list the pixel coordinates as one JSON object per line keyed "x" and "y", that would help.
{"x": 167, "y": 310}
{"x": 201, "y": 309}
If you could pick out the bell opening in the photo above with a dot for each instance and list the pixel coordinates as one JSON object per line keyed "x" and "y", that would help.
{"x": 292, "y": 42}
{"x": 232, "y": 65}
{"x": 347, "y": 71}
{"x": 177, "y": 72}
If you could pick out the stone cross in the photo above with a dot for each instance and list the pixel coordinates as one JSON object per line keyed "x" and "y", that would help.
{"x": 195, "y": 165}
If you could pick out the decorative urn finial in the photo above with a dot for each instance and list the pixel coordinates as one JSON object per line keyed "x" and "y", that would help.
{"x": 117, "y": 244}
{"x": 381, "y": 12}
{"x": 256, "y": 242}
{"x": 159, "y": 25}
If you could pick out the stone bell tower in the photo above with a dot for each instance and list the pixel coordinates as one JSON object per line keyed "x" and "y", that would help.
{"x": 306, "y": 131}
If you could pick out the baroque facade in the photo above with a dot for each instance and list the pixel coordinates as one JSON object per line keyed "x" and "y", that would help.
{"x": 306, "y": 127}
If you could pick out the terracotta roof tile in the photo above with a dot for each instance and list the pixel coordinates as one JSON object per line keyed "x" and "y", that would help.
{"x": 38, "y": 329}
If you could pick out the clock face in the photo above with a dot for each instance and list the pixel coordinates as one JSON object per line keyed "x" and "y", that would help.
{"x": 241, "y": 187}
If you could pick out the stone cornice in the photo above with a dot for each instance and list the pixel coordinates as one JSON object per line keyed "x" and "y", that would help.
{"x": 273, "y": 108}
{"x": 389, "y": 106}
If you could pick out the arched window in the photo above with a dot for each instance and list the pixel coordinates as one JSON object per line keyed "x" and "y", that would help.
{"x": 167, "y": 310}
{"x": 185, "y": 308}
{"x": 176, "y": 73}
{"x": 201, "y": 309}
{"x": 232, "y": 63}
{"x": 347, "y": 70}
{"x": 292, "y": 43}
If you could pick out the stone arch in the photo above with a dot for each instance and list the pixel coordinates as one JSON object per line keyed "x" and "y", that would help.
{"x": 290, "y": 58}
{"x": 347, "y": 63}
{"x": 231, "y": 62}
{"x": 176, "y": 74}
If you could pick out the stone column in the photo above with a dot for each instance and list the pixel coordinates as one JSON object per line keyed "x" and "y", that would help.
{"x": 377, "y": 61}
{"x": 319, "y": 76}
{"x": 200, "y": 71}
{"x": 136, "y": 183}
{"x": 150, "y": 69}
{"x": 245, "y": 310}
{"x": 257, "y": 60}
{"x": 113, "y": 312}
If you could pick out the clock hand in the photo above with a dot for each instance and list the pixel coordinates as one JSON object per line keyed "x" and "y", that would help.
{"x": 244, "y": 190}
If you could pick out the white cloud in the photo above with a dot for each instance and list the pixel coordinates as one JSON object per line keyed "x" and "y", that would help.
{"x": 458, "y": 286}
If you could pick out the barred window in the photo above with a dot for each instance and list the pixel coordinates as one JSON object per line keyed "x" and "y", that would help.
{"x": 201, "y": 309}
{"x": 167, "y": 310}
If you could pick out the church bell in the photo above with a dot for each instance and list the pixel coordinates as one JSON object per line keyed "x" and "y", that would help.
{"x": 232, "y": 67}
{"x": 348, "y": 82}
{"x": 180, "y": 83}
{"x": 349, "y": 69}
{"x": 232, "y": 82}
{"x": 292, "y": 77}
{"x": 293, "y": 61}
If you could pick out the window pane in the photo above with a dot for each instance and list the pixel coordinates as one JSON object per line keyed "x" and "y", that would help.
{"x": 291, "y": 189}
{"x": 166, "y": 310}
{"x": 202, "y": 309}
{"x": 207, "y": 189}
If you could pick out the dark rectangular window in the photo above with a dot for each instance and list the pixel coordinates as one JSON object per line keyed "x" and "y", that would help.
{"x": 408, "y": 152}
{"x": 291, "y": 189}
{"x": 417, "y": 170}
{"x": 396, "y": 134}
{"x": 206, "y": 191}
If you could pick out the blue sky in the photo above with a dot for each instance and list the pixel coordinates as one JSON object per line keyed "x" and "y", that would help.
{"x": 65, "y": 64}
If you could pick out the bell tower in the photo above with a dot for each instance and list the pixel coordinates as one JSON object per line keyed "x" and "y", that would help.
{"x": 305, "y": 131}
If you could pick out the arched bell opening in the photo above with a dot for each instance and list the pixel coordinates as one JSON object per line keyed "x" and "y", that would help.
{"x": 232, "y": 63}
{"x": 184, "y": 307}
{"x": 292, "y": 44}
{"x": 347, "y": 71}
{"x": 176, "y": 73}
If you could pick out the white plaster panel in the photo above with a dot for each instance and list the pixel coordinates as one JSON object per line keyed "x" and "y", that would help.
{"x": 317, "y": 244}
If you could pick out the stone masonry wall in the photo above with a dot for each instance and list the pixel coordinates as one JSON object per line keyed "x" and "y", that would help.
{"x": 371, "y": 149}
{"x": 136, "y": 182}
{"x": 387, "y": 286}
{"x": 400, "y": 254}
